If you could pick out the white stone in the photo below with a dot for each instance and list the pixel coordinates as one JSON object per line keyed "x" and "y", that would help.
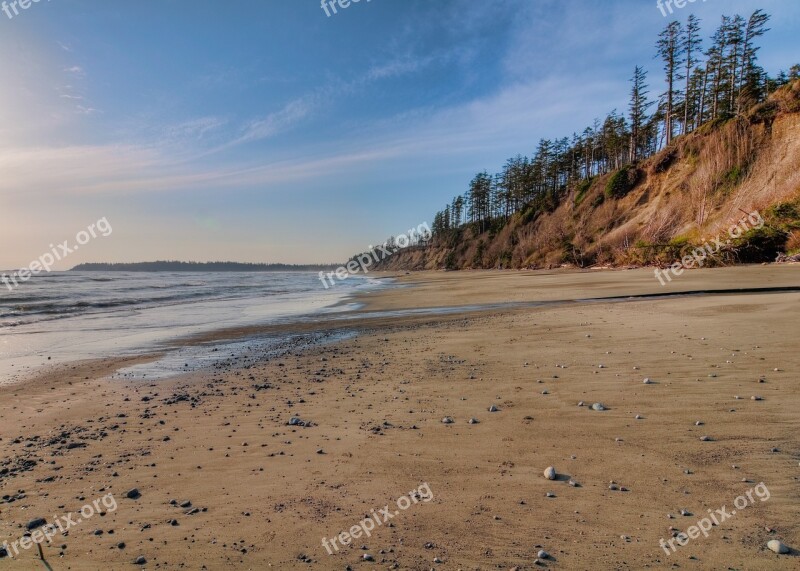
{"x": 777, "y": 546}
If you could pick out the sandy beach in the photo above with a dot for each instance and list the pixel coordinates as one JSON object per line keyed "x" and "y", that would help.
{"x": 227, "y": 480}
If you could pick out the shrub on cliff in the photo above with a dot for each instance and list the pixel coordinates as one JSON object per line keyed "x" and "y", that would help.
{"x": 622, "y": 182}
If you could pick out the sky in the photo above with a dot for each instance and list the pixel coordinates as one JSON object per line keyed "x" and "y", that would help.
{"x": 268, "y": 131}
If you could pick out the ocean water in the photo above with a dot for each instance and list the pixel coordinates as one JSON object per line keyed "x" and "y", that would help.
{"x": 66, "y": 316}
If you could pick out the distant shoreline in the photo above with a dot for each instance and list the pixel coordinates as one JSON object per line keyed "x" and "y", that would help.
{"x": 200, "y": 267}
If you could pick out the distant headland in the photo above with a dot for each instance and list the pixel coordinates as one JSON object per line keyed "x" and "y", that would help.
{"x": 171, "y": 266}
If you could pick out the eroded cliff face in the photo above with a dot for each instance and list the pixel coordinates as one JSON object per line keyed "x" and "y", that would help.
{"x": 690, "y": 192}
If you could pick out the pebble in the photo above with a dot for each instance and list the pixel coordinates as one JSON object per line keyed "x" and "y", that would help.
{"x": 705, "y": 439}
{"x": 367, "y": 557}
{"x": 448, "y": 420}
{"x": 756, "y": 397}
{"x": 140, "y": 560}
{"x": 34, "y": 523}
{"x": 598, "y": 406}
{"x": 543, "y": 554}
{"x": 133, "y": 494}
{"x": 474, "y": 421}
{"x": 647, "y": 381}
{"x": 777, "y": 546}
{"x": 550, "y": 473}
{"x": 493, "y": 408}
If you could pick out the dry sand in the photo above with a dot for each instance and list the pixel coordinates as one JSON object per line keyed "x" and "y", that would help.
{"x": 268, "y": 492}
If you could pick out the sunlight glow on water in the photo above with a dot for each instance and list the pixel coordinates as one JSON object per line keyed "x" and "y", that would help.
{"x": 68, "y": 316}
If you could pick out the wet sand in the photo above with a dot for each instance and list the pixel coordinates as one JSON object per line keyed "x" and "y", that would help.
{"x": 267, "y": 493}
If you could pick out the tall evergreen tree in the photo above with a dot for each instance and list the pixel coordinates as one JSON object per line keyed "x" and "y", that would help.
{"x": 638, "y": 112}
{"x": 670, "y": 50}
{"x": 691, "y": 43}
{"x": 715, "y": 55}
{"x": 750, "y": 73}
{"x": 736, "y": 49}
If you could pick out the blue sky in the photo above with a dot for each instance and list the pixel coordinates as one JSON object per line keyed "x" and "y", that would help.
{"x": 263, "y": 130}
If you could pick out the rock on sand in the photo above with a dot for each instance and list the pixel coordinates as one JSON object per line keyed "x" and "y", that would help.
{"x": 777, "y": 546}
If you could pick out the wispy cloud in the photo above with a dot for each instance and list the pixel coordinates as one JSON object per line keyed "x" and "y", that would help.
{"x": 395, "y": 68}
{"x": 479, "y": 126}
{"x": 277, "y": 122}
{"x": 195, "y": 128}
{"x": 269, "y": 126}
{"x": 81, "y": 109}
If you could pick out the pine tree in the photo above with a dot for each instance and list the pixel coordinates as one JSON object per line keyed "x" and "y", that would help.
{"x": 735, "y": 41}
{"x": 697, "y": 86}
{"x": 670, "y": 50}
{"x": 691, "y": 43}
{"x": 715, "y": 57}
{"x": 750, "y": 73}
{"x": 638, "y": 112}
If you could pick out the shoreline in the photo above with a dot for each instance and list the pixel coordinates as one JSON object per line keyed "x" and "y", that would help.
{"x": 272, "y": 491}
{"x": 403, "y": 303}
